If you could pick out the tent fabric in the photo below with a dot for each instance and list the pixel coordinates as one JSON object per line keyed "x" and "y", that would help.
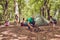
{"x": 41, "y": 21}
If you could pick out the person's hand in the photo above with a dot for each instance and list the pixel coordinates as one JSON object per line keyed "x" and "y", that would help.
{"x": 31, "y": 27}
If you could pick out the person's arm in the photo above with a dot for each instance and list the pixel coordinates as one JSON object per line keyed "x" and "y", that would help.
{"x": 29, "y": 25}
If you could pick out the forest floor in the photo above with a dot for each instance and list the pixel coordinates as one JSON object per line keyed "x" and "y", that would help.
{"x": 22, "y": 33}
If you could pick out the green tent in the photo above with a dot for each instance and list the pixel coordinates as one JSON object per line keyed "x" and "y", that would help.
{"x": 41, "y": 21}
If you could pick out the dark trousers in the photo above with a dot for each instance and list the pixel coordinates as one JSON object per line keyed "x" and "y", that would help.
{"x": 26, "y": 24}
{"x": 32, "y": 24}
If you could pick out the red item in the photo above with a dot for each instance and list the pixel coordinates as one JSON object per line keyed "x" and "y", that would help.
{"x": 22, "y": 24}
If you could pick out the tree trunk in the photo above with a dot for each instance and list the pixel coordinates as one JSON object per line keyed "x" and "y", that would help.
{"x": 16, "y": 11}
{"x": 47, "y": 7}
{"x": 42, "y": 11}
{"x": 43, "y": 8}
{"x": 55, "y": 11}
{"x": 48, "y": 11}
{"x": 5, "y": 10}
{"x": 19, "y": 1}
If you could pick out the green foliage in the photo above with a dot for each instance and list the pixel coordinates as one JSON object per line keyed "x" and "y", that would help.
{"x": 28, "y": 7}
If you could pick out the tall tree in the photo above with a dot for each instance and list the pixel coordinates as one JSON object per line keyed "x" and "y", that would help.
{"x": 16, "y": 11}
{"x": 5, "y": 10}
{"x": 19, "y": 5}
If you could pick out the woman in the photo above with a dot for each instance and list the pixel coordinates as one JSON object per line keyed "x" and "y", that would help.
{"x": 23, "y": 22}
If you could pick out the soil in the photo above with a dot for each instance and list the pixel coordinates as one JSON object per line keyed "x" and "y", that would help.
{"x": 16, "y": 32}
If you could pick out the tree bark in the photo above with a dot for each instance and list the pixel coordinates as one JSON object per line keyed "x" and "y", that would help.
{"x": 16, "y": 10}
{"x": 42, "y": 11}
{"x": 19, "y": 6}
{"x": 5, "y": 10}
{"x": 48, "y": 11}
{"x": 47, "y": 7}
